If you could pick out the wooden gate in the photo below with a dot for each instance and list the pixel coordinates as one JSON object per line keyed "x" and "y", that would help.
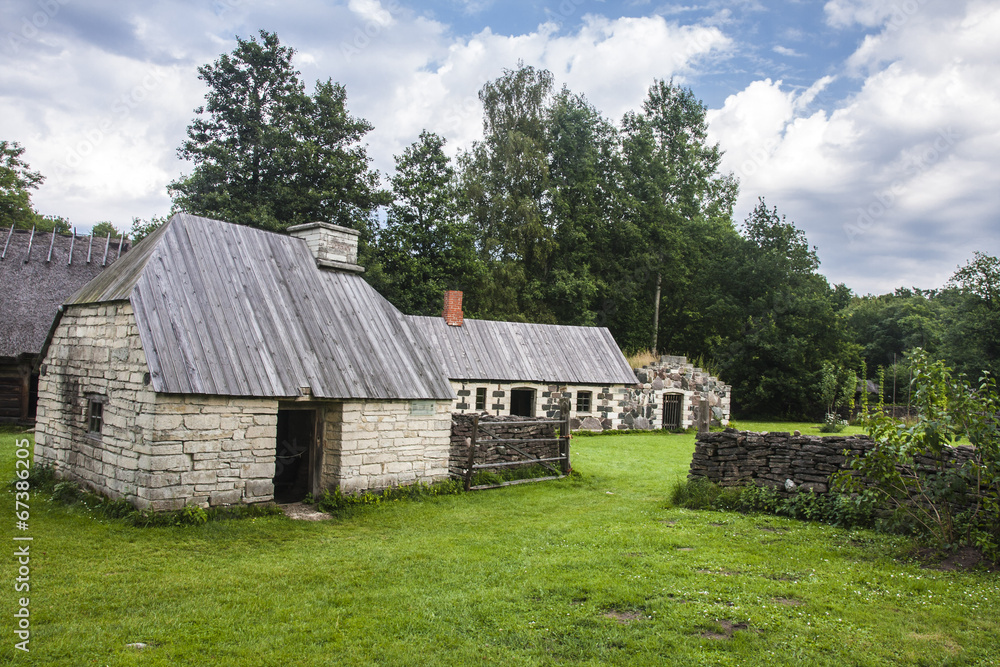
{"x": 672, "y": 411}
{"x": 482, "y": 440}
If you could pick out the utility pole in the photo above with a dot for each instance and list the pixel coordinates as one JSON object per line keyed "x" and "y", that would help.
{"x": 656, "y": 313}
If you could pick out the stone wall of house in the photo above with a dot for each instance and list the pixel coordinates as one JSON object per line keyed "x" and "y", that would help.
{"x": 733, "y": 457}
{"x": 207, "y": 450}
{"x": 156, "y": 451}
{"x": 604, "y": 401}
{"x": 493, "y": 427}
{"x": 94, "y": 353}
{"x": 641, "y": 407}
{"x": 637, "y": 406}
{"x": 372, "y": 445}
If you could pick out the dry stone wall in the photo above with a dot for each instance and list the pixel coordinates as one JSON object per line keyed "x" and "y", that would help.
{"x": 499, "y": 427}
{"x": 732, "y": 457}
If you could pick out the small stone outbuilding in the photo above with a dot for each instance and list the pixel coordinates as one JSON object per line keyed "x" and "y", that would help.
{"x": 217, "y": 364}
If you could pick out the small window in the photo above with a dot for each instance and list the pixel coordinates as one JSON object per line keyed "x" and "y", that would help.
{"x": 95, "y": 416}
{"x": 583, "y": 401}
{"x": 480, "y": 399}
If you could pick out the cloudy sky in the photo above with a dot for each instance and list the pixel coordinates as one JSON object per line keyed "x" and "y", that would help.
{"x": 874, "y": 125}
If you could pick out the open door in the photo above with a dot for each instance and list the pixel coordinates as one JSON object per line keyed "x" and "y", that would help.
{"x": 522, "y": 402}
{"x": 296, "y": 437}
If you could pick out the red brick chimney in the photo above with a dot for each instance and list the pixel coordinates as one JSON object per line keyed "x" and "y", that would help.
{"x": 453, "y": 308}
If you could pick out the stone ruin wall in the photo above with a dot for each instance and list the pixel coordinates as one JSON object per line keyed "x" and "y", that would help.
{"x": 731, "y": 458}
{"x": 497, "y": 427}
{"x": 642, "y": 404}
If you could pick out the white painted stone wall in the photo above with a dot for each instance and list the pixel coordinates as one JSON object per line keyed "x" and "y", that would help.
{"x": 604, "y": 400}
{"x": 372, "y": 445}
{"x": 157, "y": 451}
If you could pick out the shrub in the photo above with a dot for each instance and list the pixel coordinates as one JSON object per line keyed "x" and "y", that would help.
{"x": 338, "y": 502}
{"x": 832, "y": 423}
{"x": 66, "y": 493}
{"x": 192, "y": 515}
{"x": 946, "y": 506}
{"x": 847, "y": 511}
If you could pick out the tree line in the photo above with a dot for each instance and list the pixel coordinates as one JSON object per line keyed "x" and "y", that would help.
{"x": 560, "y": 215}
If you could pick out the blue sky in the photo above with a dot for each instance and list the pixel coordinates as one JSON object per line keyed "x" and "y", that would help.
{"x": 874, "y": 125}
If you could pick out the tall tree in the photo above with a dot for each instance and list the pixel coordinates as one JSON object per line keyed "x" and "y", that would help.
{"x": 972, "y": 328}
{"x": 16, "y": 183}
{"x": 268, "y": 155}
{"x": 505, "y": 179}
{"x": 782, "y": 319}
{"x": 582, "y": 203}
{"x": 426, "y": 246}
{"x": 680, "y": 206}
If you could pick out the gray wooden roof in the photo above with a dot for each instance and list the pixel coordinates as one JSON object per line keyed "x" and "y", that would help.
{"x": 38, "y": 272}
{"x": 229, "y": 310}
{"x": 518, "y": 352}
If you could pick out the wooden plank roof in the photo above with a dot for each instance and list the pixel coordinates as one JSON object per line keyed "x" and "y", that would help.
{"x": 229, "y": 310}
{"x": 518, "y": 352}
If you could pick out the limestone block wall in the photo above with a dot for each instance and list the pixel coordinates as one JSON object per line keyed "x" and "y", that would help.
{"x": 95, "y": 352}
{"x": 156, "y": 451}
{"x": 208, "y": 450}
{"x": 498, "y": 427}
{"x": 373, "y": 445}
{"x": 733, "y": 457}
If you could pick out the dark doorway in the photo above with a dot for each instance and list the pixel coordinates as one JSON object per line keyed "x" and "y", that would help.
{"x": 295, "y": 437}
{"x": 672, "y": 411}
{"x": 522, "y": 402}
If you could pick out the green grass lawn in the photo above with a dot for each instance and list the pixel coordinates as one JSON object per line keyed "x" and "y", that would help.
{"x": 596, "y": 569}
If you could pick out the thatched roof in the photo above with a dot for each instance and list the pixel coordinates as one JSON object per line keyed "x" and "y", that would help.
{"x": 38, "y": 272}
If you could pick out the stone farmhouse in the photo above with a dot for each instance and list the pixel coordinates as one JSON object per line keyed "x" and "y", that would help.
{"x": 218, "y": 364}
{"x": 38, "y": 272}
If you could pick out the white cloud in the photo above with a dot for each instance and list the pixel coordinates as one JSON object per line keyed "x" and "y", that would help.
{"x": 372, "y": 11}
{"x": 897, "y": 178}
{"x": 785, "y": 51}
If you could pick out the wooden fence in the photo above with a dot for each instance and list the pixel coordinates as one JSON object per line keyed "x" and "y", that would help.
{"x": 481, "y": 440}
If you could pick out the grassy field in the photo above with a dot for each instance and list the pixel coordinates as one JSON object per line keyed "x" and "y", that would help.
{"x": 597, "y": 569}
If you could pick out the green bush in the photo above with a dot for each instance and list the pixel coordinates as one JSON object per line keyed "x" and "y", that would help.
{"x": 66, "y": 493}
{"x": 842, "y": 510}
{"x": 945, "y": 506}
{"x": 336, "y": 502}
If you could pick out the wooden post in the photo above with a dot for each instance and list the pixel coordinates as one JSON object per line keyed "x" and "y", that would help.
{"x": 704, "y": 419}
{"x": 472, "y": 451}
{"x": 565, "y": 431}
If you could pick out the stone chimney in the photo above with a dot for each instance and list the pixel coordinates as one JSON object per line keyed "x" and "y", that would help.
{"x": 334, "y": 247}
{"x": 453, "y": 308}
